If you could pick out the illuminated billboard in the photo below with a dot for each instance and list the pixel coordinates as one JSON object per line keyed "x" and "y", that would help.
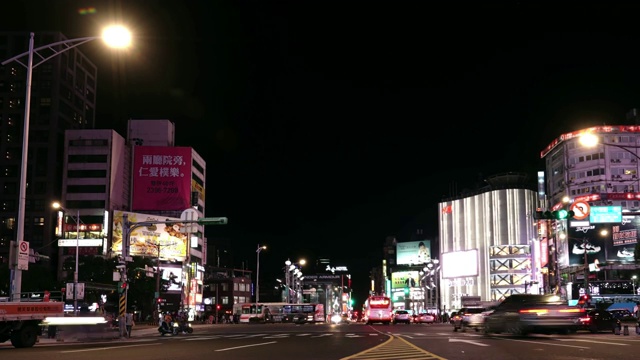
{"x": 144, "y": 240}
{"x": 413, "y": 252}
{"x": 161, "y": 178}
{"x": 403, "y": 279}
{"x": 174, "y": 276}
{"x": 460, "y": 264}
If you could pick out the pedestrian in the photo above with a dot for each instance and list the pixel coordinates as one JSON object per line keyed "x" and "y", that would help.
{"x": 129, "y": 323}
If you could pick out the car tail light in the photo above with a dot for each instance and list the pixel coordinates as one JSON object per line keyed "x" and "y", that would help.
{"x": 572, "y": 310}
{"x": 585, "y": 319}
{"x": 534, "y": 311}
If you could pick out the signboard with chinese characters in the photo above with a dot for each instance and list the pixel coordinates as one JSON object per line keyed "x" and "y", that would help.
{"x": 161, "y": 178}
{"x": 605, "y": 214}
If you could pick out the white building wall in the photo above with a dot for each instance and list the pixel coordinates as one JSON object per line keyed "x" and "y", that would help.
{"x": 496, "y": 217}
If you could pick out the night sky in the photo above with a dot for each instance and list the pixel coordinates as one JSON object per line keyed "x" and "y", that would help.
{"x": 328, "y": 125}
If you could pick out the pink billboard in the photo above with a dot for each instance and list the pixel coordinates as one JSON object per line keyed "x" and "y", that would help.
{"x": 161, "y": 178}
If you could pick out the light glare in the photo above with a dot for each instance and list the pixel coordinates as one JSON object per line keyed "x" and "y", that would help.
{"x": 116, "y": 36}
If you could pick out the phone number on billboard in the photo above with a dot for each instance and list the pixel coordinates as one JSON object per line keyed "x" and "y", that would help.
{"x": 162, "y": 190}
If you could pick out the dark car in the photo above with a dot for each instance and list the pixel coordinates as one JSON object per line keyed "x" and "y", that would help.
{"x": 599, "y": 320}
{"x": 522, "y": 314}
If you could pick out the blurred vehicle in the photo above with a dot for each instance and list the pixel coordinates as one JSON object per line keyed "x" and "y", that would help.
{"x": 621, "y": 313}
{"x": 599, "y": 320}
{"x": 401, "y": 316}
{"x": 425, "y": 318}
{"x": 339, "y": 318}
{"x": 469, "y": 318}
{"x": 455, "y": 316}
{"x": 522, "y": 314}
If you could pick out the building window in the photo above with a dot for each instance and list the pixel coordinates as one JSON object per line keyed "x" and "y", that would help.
{"x": 87, "y": 174}
{"x": 87, "y": 158}
{"x": 39, "y": 221}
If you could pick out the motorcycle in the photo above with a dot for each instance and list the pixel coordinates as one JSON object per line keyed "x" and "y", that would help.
{"x": 185, "y": 328}
{"x": 168, "y": 328}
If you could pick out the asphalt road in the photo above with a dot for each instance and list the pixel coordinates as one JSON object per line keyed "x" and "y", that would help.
{"x": 342, "y": 342}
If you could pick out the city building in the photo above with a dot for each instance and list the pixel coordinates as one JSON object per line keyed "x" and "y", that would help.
{"x": 488, "y": 242}
{"x": 63, "y": 96}
{"x": 596, "y": 248}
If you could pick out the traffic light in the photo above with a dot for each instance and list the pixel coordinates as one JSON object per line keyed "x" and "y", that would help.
{"x": 122, "y": 286}
{"x": 584, "y": 300}
{"x": 561, "y": 214}
{"x": 217, "y": 307}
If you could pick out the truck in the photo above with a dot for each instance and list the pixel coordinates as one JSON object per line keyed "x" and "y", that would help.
{"x": 20, "y": 321}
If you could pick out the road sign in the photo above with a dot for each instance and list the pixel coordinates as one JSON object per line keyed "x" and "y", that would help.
{"x": 605, "y": 214}
{"x": 189, "y": 215}
{"x": 581, "y": 210}
{"x": 23, "y": 255}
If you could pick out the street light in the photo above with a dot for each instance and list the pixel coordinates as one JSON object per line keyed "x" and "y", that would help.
{"x": 633, "y": 279}
{"x": 260, "y": 248}
{"x": 159, "y": 246}
{"x": 114, "y": 36}
{"x": 591, "y": 140}
{"x": 56, "y": 205}
{"x": 289, "y": 275}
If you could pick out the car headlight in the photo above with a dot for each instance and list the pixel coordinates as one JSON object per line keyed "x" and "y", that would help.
{"x": 336, "y": 318}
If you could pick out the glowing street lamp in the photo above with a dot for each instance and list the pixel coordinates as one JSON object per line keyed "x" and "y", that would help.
{"x": 113, "y": 36}
{"x": 590, "y": 140}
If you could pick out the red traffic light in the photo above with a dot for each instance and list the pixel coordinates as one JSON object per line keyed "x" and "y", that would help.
{"x": 159, "y": 301}
{"x": 584, "y": 299}
{"x": 217, "y": 307}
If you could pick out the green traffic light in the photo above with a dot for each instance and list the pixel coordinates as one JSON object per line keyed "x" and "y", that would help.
{"x": 561, "y": 214}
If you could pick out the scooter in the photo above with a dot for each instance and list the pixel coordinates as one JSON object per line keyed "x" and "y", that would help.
{"x": 168, "y": 328}
{"x": 185, "y": 328}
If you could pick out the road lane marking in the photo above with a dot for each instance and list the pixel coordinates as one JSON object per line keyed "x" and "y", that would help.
{"x": 321, "y": 335}
{"x": 468, "y": 342}
{"x": 593, "y": 341}
{"x": 201, "y": 338}
{"x": 543, "y": 343}
{"x": 246, "y": 346}
{"x": 107, "y": 348}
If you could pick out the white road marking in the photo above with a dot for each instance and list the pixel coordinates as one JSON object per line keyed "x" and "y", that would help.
{"x": 546, "y": 343}
{"x": 107, "y": 348}
{"x": 246, "y": 346}
{"x": 593, "y": 341}
{"x": 468, "y": 342}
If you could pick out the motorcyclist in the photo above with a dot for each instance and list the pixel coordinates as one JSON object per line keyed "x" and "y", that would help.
{"x": 166, "y": 323}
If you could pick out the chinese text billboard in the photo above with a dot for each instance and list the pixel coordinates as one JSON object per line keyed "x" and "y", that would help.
{"x": 403, "y": 279}
{"x": 144, "y": 240}
{"x": 161, "y": 178}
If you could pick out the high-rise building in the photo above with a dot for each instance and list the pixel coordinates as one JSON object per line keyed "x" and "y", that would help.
{"x": 63, "y": 96}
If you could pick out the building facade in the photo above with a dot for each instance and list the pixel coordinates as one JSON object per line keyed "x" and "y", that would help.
{"x": 63, "y": 96}
{"x": 595, "y": 254}
{"x": 488, "y": 242}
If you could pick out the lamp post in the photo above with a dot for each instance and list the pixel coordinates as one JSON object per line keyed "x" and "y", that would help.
{"x": 289, "y": 275}
{"x": 633, "y": 279}
{"x": 591, "y": 140}
{"x": 57, "y": 205}
{"x": 159, "y": 246}
{"x": 258, "y": 250}
{"x": 115, "y": 36}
